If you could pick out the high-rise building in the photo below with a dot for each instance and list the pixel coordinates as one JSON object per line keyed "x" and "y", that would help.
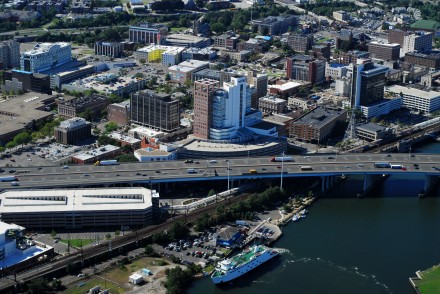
{"x": 45, "y": 56}
{"x": 204, "y": 91}
{"x": 230, "y": 110}
{"x": 147, "y": 33}
{"x": 155, "y": 110}
{"x": 411, "y": 41}
{"x": 305, "y": 68}
{"x": 384, "y": 51}
{"x": 300, "y": 42}
{"x": 259, "y": 81}
{"x": 9, "y": 54}
{"x": 368, "y": 83}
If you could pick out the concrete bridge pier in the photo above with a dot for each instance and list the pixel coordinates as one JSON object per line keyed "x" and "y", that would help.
{"x": 327, "y": 182}
{"x": 431, "y": 183}
{"x": 370, "y": 182}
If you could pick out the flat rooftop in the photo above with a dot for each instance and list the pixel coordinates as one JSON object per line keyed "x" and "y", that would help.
{"x": 95, "y": 152}
{"x": 412, "y": 92}
{"x": 121, "y": 137}
{"x": 208, "y": 146}
{"x": 319, "y": 117}
{"x": 18, "y": 111}
{"x": 288, "y": 85}
{"x": 370, "y": 127}
{"x": 76, "y": 200}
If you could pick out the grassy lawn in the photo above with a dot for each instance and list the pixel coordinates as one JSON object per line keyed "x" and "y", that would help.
{"x": 74, "y": 289}
{"x": 78, "y": 242}
{"x": 120, "y": 275}
{"x": 430, "y": 282}
{"x": 178, "y": 29}
{"x": 209, "y": 268}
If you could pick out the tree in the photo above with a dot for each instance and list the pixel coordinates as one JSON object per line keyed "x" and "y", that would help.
{"x": 127, "y": 158}
{"x": 142, "y": 61}
{"x": 87, "y": 114}
{"x": 167, "y": 77}
{"x": 108, "y": 236}
{"x": 218, "y": 27}
{"x": 56, "y": 285}
{"x": 2, "y": 149}
{"x": 117, "y": 233}
{"x": 111, "y": 127}
{"x": 37, "y": 286}
{"x": 10, "y": 145}
{"x": 211, "y": 192}
{"x": 149, "y": 251}
{"x": 178, "y": 231}
{"x": 53, "y": 234}
{"x": 22, "y": 138}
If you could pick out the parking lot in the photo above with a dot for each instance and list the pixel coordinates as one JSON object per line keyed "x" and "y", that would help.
{"x": 200, "y": 249}
{"x": 41, "y": 155}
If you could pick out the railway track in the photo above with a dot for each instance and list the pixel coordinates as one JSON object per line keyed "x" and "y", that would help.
{"x": 118, "y": 242}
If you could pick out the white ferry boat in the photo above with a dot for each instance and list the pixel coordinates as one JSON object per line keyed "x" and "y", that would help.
{"x": 232, "y": 268}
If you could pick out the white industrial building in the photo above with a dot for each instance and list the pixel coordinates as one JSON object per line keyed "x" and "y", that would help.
{"x": 45, "y": 56}
{"x": 415, "y": 99}
{"x": 79, "y": 208}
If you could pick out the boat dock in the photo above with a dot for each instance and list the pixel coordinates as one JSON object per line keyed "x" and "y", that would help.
{"x": 288, "y": 217}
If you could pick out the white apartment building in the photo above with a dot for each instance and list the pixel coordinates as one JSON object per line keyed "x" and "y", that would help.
{"x": 415, "y": 99}
{"x": 335, "y": 70}
{"x": 45, "y": 56}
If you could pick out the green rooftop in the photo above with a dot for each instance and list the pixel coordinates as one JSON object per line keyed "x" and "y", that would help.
{"x": 426, "y": 25}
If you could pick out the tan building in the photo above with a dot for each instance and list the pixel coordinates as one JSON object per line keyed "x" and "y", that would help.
{"x": 119, "y": 113}
{"x": 71, "y": 108}
{"x": 272, "y": 104}
{"x": 317, "y": 125}
{"x": 94, "y": 155}
{"x": 73, "y": 130}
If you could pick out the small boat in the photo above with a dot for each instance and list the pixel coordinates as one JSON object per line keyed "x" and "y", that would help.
{"x": 296, "y": 217}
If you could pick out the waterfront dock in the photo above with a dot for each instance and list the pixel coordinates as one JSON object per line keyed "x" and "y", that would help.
{"x": 288, "y": 217}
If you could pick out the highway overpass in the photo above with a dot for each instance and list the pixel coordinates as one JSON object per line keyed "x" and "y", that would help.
{"x": 239, "y": 168}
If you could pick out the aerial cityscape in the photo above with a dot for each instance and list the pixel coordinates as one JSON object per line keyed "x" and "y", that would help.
{"x": 219, "y": 146}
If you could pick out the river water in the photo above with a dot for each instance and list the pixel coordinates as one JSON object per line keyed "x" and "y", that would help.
{"x": 350, "y": 245}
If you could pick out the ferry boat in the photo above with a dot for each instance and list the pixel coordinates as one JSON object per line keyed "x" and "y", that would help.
{"x": 232, "y": 268}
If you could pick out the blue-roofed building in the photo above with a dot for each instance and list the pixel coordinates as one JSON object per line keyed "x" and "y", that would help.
{"x": 229, "y": 237}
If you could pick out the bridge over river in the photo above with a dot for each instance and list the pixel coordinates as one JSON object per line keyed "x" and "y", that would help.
{"x": 325, "y": 166}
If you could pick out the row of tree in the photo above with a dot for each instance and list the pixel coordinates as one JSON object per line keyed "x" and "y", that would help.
{"x": 243, "y": 209}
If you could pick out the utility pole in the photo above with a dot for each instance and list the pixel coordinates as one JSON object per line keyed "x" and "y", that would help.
{"x": 282, "y": 172}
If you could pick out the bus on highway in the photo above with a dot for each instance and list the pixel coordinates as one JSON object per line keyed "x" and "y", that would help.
{"x": 306, "y": 167}
{"x": 382, "y": 164}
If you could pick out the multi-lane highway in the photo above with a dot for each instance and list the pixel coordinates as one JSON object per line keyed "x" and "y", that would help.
{"x": 239, "y": 168}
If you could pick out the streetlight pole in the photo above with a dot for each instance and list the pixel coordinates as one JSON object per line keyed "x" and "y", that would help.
{"x": 229, "y": 164}
{"x": 248, "y": 158}
{"x": 282, "y": 172}
{"x": 409, "y": 156}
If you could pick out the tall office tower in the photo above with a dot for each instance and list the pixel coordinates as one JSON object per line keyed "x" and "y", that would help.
{"x": 204, "y": 91}
{"x": 368, "y": 82}
{"x": 155, "y": 110}
{"x": 230, "y": 106}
